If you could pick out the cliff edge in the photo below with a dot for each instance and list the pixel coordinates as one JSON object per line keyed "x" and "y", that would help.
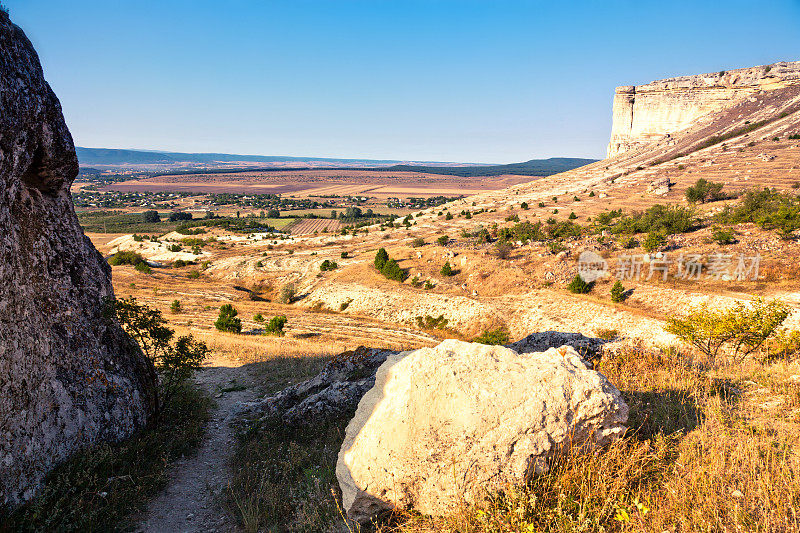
{"x": 645, "y": 113}
{"x": 68, "y": 376}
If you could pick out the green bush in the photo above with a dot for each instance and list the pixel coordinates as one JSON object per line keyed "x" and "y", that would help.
{"x": 767, "y": 208}
{"x": 448, "y": 216}
{"x": 447, "y": 270}
{"x": 524, "y": 205}
{"x": 125, "y": 258}
{"x": 175, "y": 307}
{"x": 617, "y": 292}
{"x": 654, "y": 241}
{"x": 143, "y": 268}
{"x": 228, "y": 320}
{"x": 416, "y": 243}
{"x": 494, "y": 337}
{"x": 258, "y": 317}
{"x": 391, "y": 270}
{"x": 193, "y": 274}
{"x": 578, "y": 286}
{"x": 723, "y": 236}
{"x": 443, "y": 240}
{"x": 380, "y": 258}
{"x": 328, "y": 265}
{"x": 174, "y": 362}
{"x": 275, "y": 326}
{"x": 742, "y": 329}
{"x": 704, "y": 191}
{"x": 429, "y": 322}
{"x": 344, "y": 255}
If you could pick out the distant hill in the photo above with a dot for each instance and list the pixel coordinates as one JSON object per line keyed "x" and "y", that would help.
{"x": 534, "y": 167}
{"x": 119, "y": 157}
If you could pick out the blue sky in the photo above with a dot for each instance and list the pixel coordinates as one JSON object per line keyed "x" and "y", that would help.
{"x": 449, "y": 80}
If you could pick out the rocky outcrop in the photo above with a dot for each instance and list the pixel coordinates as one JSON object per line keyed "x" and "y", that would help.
{"x": 447, "y": 425}
{"x": 333, "y": 393}
{"x": 69, "y": 377}
{"x": 645, "y": 113}
{"x": 336, "y": 391}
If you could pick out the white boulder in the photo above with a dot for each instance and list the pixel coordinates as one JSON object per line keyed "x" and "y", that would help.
{"x": 449, "y": 424}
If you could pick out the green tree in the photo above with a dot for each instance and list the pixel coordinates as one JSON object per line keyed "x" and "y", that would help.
{"x": 380, "y": 258}
{"x": 174, "y": 362}
{"x": 151, "y": 216}
{"x": 579, "y": 286}
{"x": 175, "y": 307}
{"x": 443, "y": 240}
{"x": 617, "y": 292}
{"x": 228, "y": 320}
{"x": 704, "y": 191}
{"x": 447, "y": 270}
{"x": 493, "y": 337}
{"x": 391, "y": 270}
{"x": 275, "y": 326}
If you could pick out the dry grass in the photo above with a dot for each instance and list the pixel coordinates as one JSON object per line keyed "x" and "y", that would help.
{"x": 704, "y": 452}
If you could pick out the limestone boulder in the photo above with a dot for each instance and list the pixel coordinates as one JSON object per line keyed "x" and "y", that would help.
{"x": 69, "y": 378}
{"x": 447, "y": 425}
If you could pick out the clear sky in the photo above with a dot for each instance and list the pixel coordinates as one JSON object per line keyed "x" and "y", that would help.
{"x": 448, "y": 80}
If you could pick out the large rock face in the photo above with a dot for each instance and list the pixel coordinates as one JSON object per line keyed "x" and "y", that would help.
{"x": 644, "y": 113}
{"x": 68, "y": 377}
{"x": 445, "y": 425}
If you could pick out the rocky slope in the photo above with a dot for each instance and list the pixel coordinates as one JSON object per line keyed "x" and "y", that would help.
{"x": 68, "y": 376}
{"x": 649, "y": 112}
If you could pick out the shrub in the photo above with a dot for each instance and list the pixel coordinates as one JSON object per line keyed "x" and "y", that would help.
{"x": 572, "y": 215}
{"x": 175, "y": 307}
{"x": 704, "y": 191}
{"x": 327, "y": 265}
{"x": 416, "y": 243}
{"x": 447, "y": 270}
{"x": 228, "y": 320}
{"x": 174, "y": 362}
{"x": 429, "y": 322}
{"x": 288, "y": 292}
{"x": 345, "y": 305}
{"x": 503, "y": 249}
{"x": 193, "y": 274}
{"x": 667, "y": 219}
{"x": 344, "y": 255}
{"x": 654, "y": 241}
{"x": 768, "y": 209}
{"x": 448, "y": 216}
{"x": 275, "y": 326}
{"x": 723, "y": 236}
{"x": 541, "y": 204}
{"x": 740, "y": 328}
{"x": 258, "y": 317}
{"x": 629, "y": 243}
{"x": 607, "y": 334}
{"x": 443, "y": 240}
{"x": 617, "y": 292}
{"x": 524, "y": 205}
{"x": 391, "y": 270}
{"x": 125, "y": 258}
{"x": 380, "y": 258}
{"x": 143, "y": 268}
{"x": 494, "y": 337}
{"x": 579, "y": 286}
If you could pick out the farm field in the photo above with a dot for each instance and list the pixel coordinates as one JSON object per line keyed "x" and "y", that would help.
{"x": 323, "y": 182}
{"x": 310, "y": 225}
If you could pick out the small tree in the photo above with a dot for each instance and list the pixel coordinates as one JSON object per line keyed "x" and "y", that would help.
{"x": 704, "y": 191}
{"x": 579, "y": 286}
{"x": 503, "y": 249}
{"x": 443, "y": 240}
{"x": 617, "y": 292}
{"x": 288, "y": 292}
{"x": 654, "y": 241}
{"x": 275, "y": 326}
{"x": 328, "y": 265}
{"x": 391, "y": 270}
{"x": 380, "y": 258}
{"x": 524, "y": 205}
{"x": 147, "y": 327}
{"x": 447, "y": 270}
{"x": 176, "y": 307}
{"x": 258, "y": 317}
{"x": 493, "y": 337}
{"x": 416, "y": 243}
{"x": 228, "y": 320}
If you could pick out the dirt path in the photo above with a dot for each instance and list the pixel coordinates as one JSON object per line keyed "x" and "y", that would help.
{"x": 191, "y": 500}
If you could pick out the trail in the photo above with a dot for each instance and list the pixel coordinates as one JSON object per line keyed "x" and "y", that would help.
{"x": 191, "y": 500}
